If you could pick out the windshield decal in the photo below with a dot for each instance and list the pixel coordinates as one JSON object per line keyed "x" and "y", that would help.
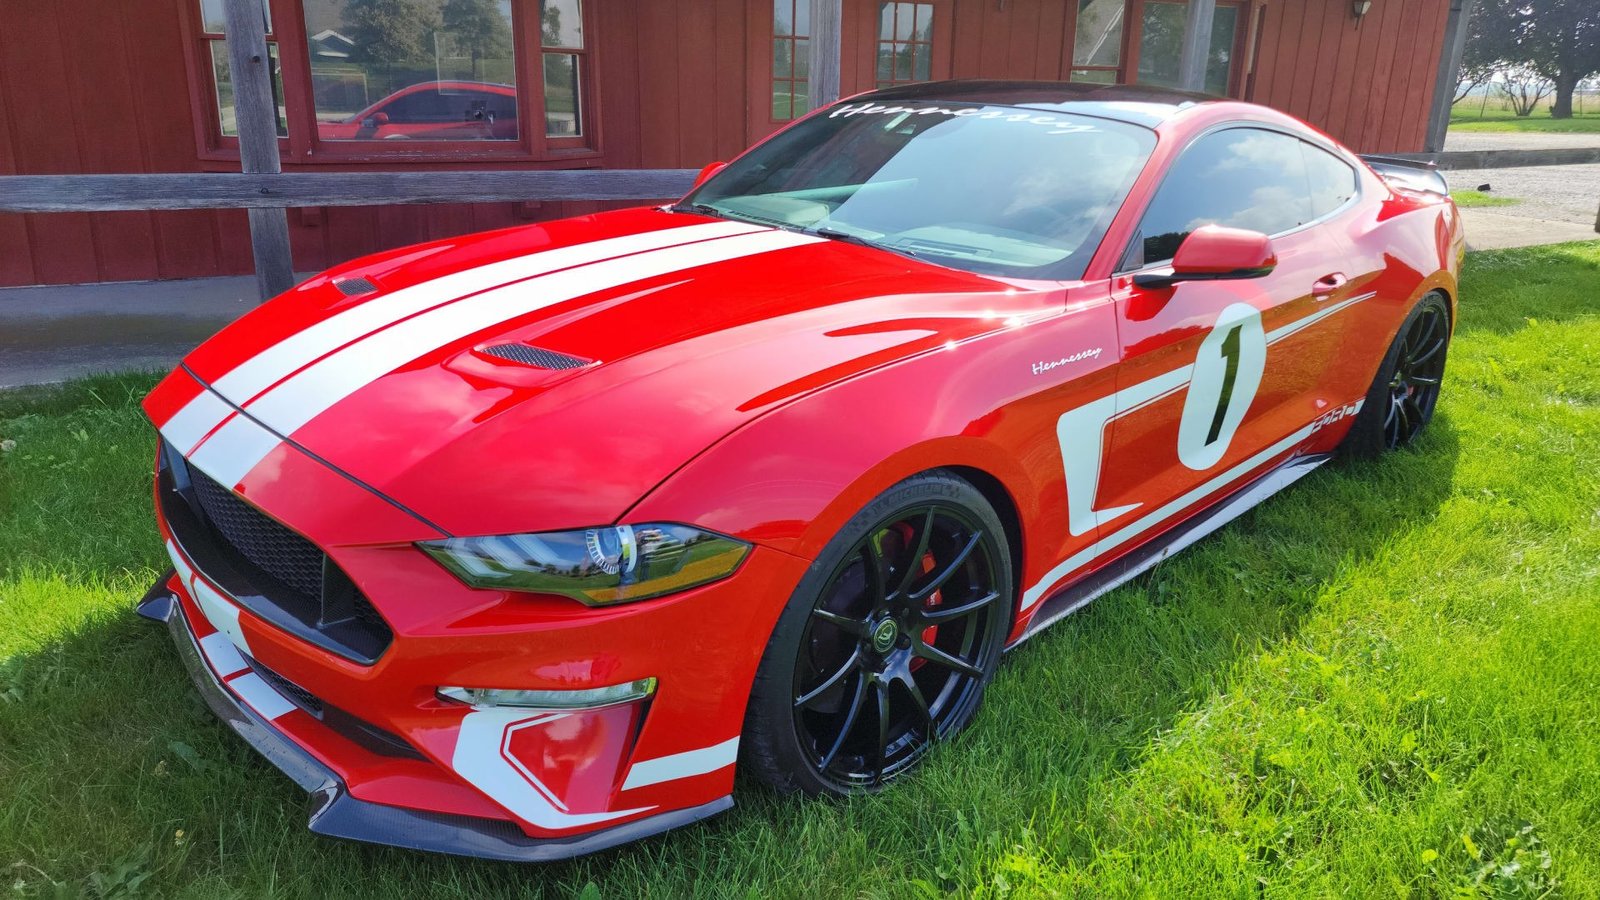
{"x": 1056, "y": 124}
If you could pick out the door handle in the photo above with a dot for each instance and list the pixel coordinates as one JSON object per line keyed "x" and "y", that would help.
{"x": 1327, "y": 285}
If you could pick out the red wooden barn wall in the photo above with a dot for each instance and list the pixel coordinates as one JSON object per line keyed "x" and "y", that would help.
{"x": 676, "y": 91}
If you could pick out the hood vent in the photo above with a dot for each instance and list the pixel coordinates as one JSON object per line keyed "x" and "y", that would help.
{"x": 536, "y": 357}
{"x": 354, "y": 287}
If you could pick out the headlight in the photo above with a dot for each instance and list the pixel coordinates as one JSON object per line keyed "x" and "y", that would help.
{"x": 595, "y": 566}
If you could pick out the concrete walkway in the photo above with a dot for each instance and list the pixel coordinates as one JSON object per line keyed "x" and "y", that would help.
{"x": 52, "y": 333}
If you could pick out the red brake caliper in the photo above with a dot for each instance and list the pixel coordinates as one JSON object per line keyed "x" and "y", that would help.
{"x": 934, "y": 599}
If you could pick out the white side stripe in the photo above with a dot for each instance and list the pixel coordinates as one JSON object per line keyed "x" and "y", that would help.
{"x": 682, "y": 765}
{"x": 260, "y": 696}
{"x": 219, "y": 611}
{"x": 1283, "y": 331}
{"x": 307, "y": 394}
{"x": 1139, "y": 526}
{"x": 179, "y": 564}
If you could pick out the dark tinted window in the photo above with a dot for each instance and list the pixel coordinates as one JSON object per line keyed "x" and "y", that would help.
{"x": 1241, "y": 177}
{"x": 450, "y": 106}
{"x": 1332, "y": 180}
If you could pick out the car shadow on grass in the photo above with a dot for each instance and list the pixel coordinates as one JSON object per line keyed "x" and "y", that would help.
{"x": 117, "y": 772}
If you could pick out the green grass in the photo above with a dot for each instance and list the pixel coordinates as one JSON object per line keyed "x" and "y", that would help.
{"x": 1467, "y": 116}
{"x": 1480, "y": 198}
{"x": 1384, "y": 682}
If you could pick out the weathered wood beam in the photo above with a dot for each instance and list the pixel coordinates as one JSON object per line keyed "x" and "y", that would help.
{"x": 227, "y": 190}
{"x": 1195, "y": 50}
{"x": 255, "y": 113}
{"x": 1444, "y": 80}
{"x": 827, "y": 22}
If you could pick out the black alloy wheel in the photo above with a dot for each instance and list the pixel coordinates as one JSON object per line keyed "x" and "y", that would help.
{"x": 888, "y": 648}
{"x": 1403, "y": 396}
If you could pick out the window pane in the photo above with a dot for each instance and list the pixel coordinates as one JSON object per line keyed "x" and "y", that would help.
{"x": 802, "y": 18}
{"x": 214, "y": 18}
{"x": 782, "y": 17}
{"x": 782, "y": 58}
{"x": 561, "y": 21}
{"x": 782, "y": 102}
{"x": 1094, "y": 76}
{"x": 561, "y": 108}
{"x": 1098, "y": 41}
{"x": 222, "y": 72}
{"x": 1219, "y": 61}
{"x": 1332, "y": 181}
{"x": 1161, "y": 43}
{"x": 802, "y": 59}
{"x": 427, "y": 70}
{"x": 1242, "y": 177}
{"x": 905, "y": 20}
{"x": 921, "y": 72}
{"x": 924, "y": 29}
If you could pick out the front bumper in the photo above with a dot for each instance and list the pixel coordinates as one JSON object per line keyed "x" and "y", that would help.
{"x": 336, "y": 813}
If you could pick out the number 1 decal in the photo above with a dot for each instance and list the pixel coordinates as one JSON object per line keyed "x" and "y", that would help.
{"x": 1222, "y": 384}
{"x": 1227, "y": 373}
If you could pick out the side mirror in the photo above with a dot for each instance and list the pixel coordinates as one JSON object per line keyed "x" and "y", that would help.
{"x": 1215, "y": 253}
{"x": 705, "y": 173}
{"x": 375, "y": 120}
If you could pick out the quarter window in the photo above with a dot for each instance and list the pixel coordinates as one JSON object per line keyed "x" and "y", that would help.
{"x": 1332, "y": 180}
{"x": 1241, "y": 177}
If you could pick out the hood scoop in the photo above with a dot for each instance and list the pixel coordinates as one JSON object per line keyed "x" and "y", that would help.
{"x": 535, "y": 357}
{"x": 354, "y": 287}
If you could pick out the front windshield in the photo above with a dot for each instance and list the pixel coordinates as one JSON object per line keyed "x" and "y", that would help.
{"x": 993, "y": 189}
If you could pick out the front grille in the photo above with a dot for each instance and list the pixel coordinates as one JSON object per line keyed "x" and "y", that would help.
{"x": 297, "y": 695}
{"x": 257, "y": 537}
{"x": 349, "y": 727}
{"x": 267, "y": 567}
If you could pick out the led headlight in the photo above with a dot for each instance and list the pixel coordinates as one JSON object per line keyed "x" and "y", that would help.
{"x": 595, "y": 566}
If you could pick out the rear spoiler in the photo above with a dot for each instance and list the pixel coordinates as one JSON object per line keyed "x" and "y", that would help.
{"x": 1408, "y": 174}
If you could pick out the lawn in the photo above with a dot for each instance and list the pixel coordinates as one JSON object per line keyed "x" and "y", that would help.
{"x": 1481, "y": 198}
{"x": 1468, "y": 116}
{"x": 1384, "y": 682}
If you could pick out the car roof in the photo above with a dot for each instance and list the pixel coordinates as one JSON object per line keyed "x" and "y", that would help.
{"x": 1136, "y": 103}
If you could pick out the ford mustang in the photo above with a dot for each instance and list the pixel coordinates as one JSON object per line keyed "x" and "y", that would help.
{"x": 516, "y": 545}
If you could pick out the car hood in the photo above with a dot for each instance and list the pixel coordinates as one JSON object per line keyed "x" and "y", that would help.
{"x": 549, "y": 376}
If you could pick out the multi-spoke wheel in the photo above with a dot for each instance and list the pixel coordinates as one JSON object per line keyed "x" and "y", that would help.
{"x": 1402, "y": 398}
{"x": 887, "y": 644}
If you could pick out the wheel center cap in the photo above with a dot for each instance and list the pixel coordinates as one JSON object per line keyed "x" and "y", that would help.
{"x": 885, "y": 635}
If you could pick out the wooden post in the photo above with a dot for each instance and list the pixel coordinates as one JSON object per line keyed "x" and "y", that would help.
{"x": 827, "y": 19}
{"x": 256, "y": 115}
{"x": 1196, "y": 49}
{"x": 1444, "y": 80}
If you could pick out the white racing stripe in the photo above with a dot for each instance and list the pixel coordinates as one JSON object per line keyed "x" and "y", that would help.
{"x": 279, "y": 361}
{"x": 260, "y": 696}
{"x": 682, "y": 765}
{"x": 206, "y": 411}
{"x": 233, "y": 450}
{"x": 307, "y": 394}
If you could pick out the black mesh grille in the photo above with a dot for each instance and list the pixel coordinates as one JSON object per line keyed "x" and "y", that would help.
{"x": 297, "y": 695}
{"x": 268, "y": 545}
{"x": 354, "y": 287}
{"x": 538, "y": 357}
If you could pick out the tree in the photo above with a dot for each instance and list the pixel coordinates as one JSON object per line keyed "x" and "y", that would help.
{"x": 1524, "y": 87}
{"x": 480, "y": 29}
{"x": 389, "y": 33}
{"x": 1557, "y": 39}
{"x": 1489, "y": 43}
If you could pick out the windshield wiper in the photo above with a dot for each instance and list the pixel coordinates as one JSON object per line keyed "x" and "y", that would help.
{"x": 704, "y": 209}
{"x": 846, "y": 237}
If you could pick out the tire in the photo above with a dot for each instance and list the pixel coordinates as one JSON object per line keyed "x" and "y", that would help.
{"x": 1404, "y": 393}
{"x": 921, "y": 642}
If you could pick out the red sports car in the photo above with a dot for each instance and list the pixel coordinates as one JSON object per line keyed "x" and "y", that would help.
{"x": 433, "y": 111}
{"x": 515, "y": 545}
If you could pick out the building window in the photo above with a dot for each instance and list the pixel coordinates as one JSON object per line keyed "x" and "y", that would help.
{"x": 791, "y": 59}
{"x": 430, "y": 70}
{"x": 1161, "y": 43}
{"x": 1097, "y": 41}
{"x": 905, "y": 43}
{"x": 561, "y": 24}
{"x": 427, "y": 79}
{"x": 213, "y": 33}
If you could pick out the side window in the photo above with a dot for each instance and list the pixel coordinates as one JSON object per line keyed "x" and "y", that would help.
{"x": 1332, "y": 180}
{"x": 1241, "y": 177}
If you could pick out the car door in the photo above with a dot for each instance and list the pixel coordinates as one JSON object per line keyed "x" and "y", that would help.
{"x": 1217, "y": 377}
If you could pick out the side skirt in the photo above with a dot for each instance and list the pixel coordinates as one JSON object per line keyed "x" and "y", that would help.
{"x": 1142, "y": 558}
